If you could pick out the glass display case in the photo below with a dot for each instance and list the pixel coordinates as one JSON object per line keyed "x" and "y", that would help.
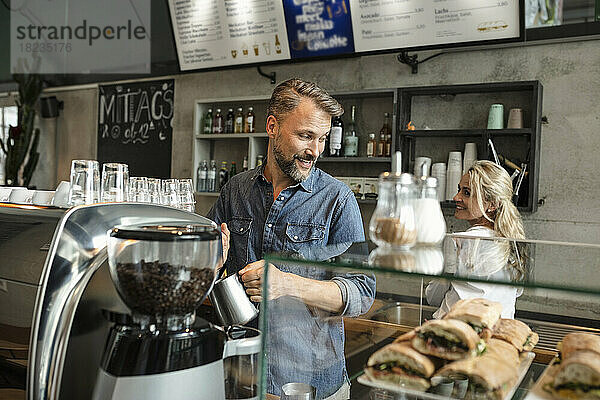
{"x": 324, "y": 317}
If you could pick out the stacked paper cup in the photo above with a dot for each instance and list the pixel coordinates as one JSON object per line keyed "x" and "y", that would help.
{"x": 470, "y": 156}
{"x": 453, "y": 173}
{"x": 438, "y": 171}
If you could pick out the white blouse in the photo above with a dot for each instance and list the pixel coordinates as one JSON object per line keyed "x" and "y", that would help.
{"x": 483, "y": 259}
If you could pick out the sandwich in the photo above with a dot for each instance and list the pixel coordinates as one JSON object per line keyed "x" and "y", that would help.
{"x": 577, "y": 341}
{"x": 448, "y": 339}
{"x": 503, "y": 351}
{"x": 516, "y": 333}
{"x": 481, "y": 314}
{"x": 489, "y": 378}
{"x": 578, "y": 377}
{"x": 400, "y": 364}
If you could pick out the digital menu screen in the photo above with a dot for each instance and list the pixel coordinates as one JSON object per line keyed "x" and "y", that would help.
{"x": 215, "y": 33}
{"x": 318, "y": 28}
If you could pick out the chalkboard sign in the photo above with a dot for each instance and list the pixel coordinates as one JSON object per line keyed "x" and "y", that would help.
{"x": 135, "y": 126}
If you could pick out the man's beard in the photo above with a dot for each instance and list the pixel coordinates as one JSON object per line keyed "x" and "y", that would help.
{"x": 288, "y": 165}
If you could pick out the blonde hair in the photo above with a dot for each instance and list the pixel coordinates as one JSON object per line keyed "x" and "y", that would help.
{"x": 491, "y": 183}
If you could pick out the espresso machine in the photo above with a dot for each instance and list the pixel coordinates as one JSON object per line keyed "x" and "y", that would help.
{"x": 91, "y": 333}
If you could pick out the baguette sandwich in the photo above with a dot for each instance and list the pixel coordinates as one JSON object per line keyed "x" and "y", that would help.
{"x": 503, "y": 351}
{"x": 400, "y": 364}
{"x": 578, "y": 377}
{"x": 489, "y": 378}
{"x": 577, "y": 341}
{"x": 516, "y": 333}
{"x": 480, "y": 313}
{"x": 448, "y": 339}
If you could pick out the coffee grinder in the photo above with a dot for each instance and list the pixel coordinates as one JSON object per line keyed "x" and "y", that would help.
{"x": 163, "y": 273}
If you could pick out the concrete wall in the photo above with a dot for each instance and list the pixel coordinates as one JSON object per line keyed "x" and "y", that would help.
{"x": 569, "y": 165}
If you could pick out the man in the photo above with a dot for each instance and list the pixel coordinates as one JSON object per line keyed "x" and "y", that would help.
{"x": 288, "y": 205}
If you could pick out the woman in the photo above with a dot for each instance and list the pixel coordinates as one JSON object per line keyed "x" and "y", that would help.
{"x": 484, "y": 200}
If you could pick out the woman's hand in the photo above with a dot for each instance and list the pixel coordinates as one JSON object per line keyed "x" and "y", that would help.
{"x": 252, "y": 278}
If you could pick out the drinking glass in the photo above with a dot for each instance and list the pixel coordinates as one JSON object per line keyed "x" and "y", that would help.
{"x": 154, "y": 190}
{"x": 115, "y": 182}
{"x": 85, "y": 181}
{"x": 170, "y": 192}
{"x": 138, "y": 189}
{"x": 186, "y": 195}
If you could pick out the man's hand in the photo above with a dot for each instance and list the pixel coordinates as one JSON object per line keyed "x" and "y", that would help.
{"x": 225, "y": 235}
{"x": 252, "y": 278}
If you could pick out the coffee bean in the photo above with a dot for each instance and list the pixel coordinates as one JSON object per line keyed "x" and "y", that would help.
{"x": 153, "y": 288}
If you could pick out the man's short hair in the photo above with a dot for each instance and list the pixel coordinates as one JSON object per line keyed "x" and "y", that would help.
{"x": 287, "y": 95}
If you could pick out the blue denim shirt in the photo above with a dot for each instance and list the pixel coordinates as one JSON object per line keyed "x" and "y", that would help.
{"x": 316, "y": 219}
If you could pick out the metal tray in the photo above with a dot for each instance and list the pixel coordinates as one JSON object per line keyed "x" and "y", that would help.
{"x": 526, "y": 360}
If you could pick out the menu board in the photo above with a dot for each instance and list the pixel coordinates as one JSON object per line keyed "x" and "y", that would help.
{"x": 318, "y": 27}
{"x": 214, "y": 33}
{"x": 391, "y": 24}
{"x": 135, "y": 126}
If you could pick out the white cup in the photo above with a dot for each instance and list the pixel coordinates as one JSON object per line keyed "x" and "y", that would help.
{"x": 438, "y": 171}
{"x": 61, "y": 194}
{"x": 455, "y": 159}
{"x": 470, "y": 156}
{"x": 20, "y": 195}
{"x": 453, "y": 175}
{"x": 5, "y": 193}
{"x": 418, "y": 168}
{"x": 42, "y": 197}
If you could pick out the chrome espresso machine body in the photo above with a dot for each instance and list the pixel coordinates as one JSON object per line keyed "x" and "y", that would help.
{"x": 56, "y": 290}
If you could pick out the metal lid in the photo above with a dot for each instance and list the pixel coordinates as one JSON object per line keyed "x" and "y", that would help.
{"x": 402, "y": 178}
{"x": 431, "y": 182}
{"x": 166, "y": 233}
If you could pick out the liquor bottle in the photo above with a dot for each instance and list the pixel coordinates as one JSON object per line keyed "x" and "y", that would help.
{"x": 388, "y": 145}
{"x": 208, "y": 121}
{"x": 211, "y": 177}
{"x": 335, "y": 137}
{"x": 223, "y": 175}
{"x": 218, "y": 123}
{"x": 371, "y": 145}
{"x": 259, "y": 160}
{"x": 201, "y": 176}
{"x": 232, "y": 170}
{"x": 238, "y": 122}
{"x": 277, "y": 45}
{"x": 383, "y": 136}
{"x": 351, "y": 139}
{"x": 229, "y": 121}
{"x": 245, "y": 164}
{"x": 249, "y": 121}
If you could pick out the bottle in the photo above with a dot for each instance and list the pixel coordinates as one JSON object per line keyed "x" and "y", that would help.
{"x": 382, "y": 149}
{"x": 229, "y": 121}
{"x": 245, "y": 164}
{"x": 371, "y": 145}
{"x": 208, "y": 121}
{"x": 218, "y": 124}
{"x": 201, "y": 176}
{"x": 277, "y": 45}
{"x": 259, "y": 160}
{"x": 211, "y": 177}
{"x": 388, "y": 145}
{"x": 223, "y": 175}
{"x": 249, "y": 121}
{"x": 431, "y": 226}
{"x": 238, "y": 122}
{"x": 232, "y": 170}
{"x": 335, "y": 137}
{"x": 351, "y": 140}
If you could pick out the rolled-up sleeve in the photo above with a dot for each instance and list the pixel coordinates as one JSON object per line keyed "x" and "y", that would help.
{"x": 358, "y": 292}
